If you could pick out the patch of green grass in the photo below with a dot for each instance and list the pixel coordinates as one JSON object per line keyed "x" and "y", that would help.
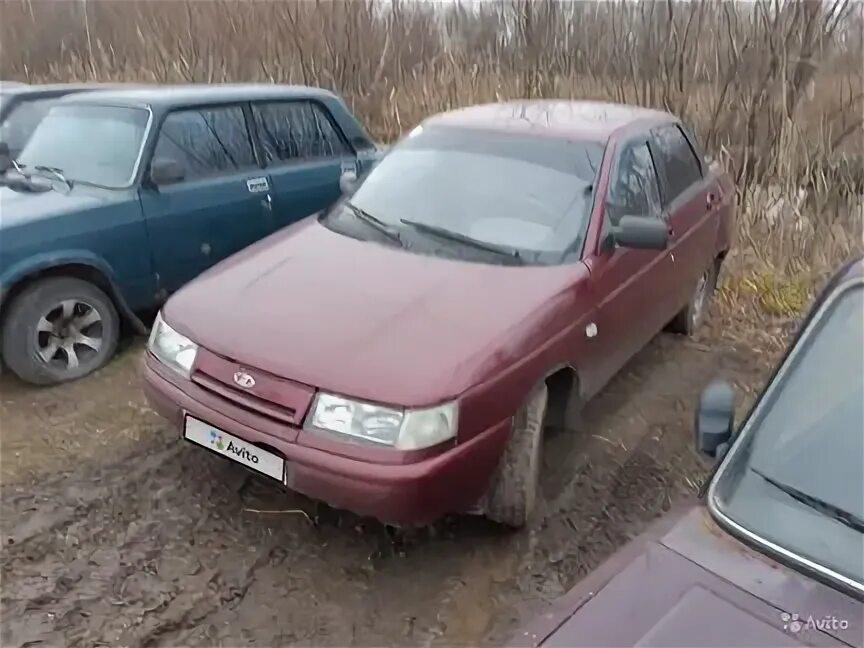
{"x": 770, "y": 293}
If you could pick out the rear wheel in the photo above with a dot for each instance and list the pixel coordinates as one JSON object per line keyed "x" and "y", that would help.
{"x": 513, "y": 492}
{"x": 59, "y": 329}
{"x": 688, "y": 321}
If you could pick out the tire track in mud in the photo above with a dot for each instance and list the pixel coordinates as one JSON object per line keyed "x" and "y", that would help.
{"x": 160, "y": 548}
{"x": 100, "y": 540}
{"x": 135, "y": 555}
{"x": 81, "y": 535}
{"x": 65, "y": 500}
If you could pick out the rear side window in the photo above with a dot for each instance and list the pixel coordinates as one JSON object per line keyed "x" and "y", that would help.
{"x": 634, "y": 189}
{"x": 206, "y": 142}
{"x": 296, "y": 131}
{"x": 679, "y": 167}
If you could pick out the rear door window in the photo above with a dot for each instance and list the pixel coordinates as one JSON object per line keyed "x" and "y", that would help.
{"x": 679, "y": 166}
{"x": 207, "y": 141}
{"x": 297, "y": 131}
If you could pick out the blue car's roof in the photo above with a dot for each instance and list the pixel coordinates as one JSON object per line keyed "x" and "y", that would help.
{"x": 21, "y": 89}
{"x": 169, "y": 96}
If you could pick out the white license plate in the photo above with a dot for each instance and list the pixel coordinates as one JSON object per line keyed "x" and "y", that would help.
{"x": 230, "y": 446}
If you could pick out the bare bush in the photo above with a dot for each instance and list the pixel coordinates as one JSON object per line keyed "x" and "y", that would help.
{"x": 774, "y": 89}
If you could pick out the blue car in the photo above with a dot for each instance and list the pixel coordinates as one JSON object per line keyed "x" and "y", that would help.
{"x": 122, "y": 196}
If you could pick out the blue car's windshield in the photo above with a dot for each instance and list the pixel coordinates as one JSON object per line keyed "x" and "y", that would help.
{"x": 796, "y": 477}
{"x": 528, "y": 193}
{"x": 22, "y": 120}
{"x": 98, "y": 145}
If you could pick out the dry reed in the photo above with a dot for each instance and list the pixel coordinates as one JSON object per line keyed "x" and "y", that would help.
{"x": 774, "y": 90}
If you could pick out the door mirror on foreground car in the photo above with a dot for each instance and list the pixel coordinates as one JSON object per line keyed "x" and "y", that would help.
{"x": 641, "y": 233}
{"x": 348, "y": 182}
{"x": 5, "y": 158}
{"x": 165, "y": 171}
{"x": 715, "y": 420}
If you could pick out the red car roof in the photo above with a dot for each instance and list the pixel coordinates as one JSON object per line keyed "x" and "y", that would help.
{"x": 592, "y": 120}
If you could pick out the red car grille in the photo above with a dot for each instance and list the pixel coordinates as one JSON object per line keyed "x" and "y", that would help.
{"x": 247, "y": 401}
{"x": 276, "y": 398}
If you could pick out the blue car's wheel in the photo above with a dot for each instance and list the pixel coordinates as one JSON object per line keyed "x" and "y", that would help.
{"x": 59, "y": 329}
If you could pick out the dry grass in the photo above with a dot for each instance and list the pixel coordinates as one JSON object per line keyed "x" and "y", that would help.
{"x": 775, "y": 90}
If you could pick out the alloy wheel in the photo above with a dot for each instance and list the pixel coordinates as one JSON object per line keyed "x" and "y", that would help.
{"x": 69, "y": 334}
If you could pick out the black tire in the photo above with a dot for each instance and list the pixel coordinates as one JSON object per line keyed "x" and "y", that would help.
{"x": 691, "y": 317}
{"x": 513, "y": 491}
{"x": 21, "y": 338}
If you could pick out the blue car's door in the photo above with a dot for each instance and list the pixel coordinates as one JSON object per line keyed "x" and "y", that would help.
{"x": 221, "y": 204}
{"x": 305, "y": 153}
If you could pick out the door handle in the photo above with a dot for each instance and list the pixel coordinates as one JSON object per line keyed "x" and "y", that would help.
{"x": 713, "y": 200}
{"x": 267, "y": 202}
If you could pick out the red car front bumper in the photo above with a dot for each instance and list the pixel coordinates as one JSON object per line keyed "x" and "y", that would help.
{"x": 398, "y": 493}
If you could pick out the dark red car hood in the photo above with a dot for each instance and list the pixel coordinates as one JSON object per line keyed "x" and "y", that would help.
{"x": 688, "y": 583}
{"x": 370, "y": 321}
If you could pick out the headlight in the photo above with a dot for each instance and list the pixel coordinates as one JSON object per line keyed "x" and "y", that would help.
{"x": 400, "y": 429}
{"x": 172, "y": 349}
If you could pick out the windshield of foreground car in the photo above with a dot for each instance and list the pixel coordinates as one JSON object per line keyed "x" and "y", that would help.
{"x": 97, "y": 145}
{"x": 531, "y": 194}
{"x": 796, "y": 476}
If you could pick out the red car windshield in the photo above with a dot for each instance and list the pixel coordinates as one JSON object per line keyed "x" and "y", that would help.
{"x": 531, "y": 194}
{"x": 795, "y": 478}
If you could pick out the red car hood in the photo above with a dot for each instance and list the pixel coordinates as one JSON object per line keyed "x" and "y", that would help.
{"x": 686, "y": 582}
{"x": 370, "y": 321}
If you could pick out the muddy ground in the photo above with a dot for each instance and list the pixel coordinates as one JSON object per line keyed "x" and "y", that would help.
{"x": 117, "y": 533}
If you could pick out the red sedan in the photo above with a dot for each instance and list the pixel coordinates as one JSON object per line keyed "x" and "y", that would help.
{"x": 399, "y": 354}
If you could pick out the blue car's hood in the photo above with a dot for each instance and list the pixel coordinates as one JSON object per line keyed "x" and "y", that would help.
{"x": 18, "y": 207}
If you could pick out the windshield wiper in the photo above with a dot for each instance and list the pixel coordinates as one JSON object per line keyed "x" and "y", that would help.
{"x": 23, "y": 183}
{"x": 835, "y": 513}
{"x": 450, "y": 235}
{"x": 18, "y": 166}
{"x": 58, "y": 173}
{"x": 375, "y": 223}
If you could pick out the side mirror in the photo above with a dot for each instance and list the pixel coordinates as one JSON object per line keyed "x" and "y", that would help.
{"x": 348, "y": 182}
{"x": 641, "y": 233}
{"x": 165, "y": 171}
{"x": 5, "y": 158}
{"x": 715, "y": 420}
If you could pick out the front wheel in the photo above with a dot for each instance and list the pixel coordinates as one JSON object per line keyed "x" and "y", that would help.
{"x": 513, "y": 492}
{"x": 59, "y": 329}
